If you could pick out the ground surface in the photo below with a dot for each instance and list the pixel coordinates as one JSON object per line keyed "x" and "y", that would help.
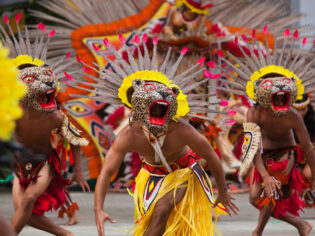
{"x": 120, "y": 207}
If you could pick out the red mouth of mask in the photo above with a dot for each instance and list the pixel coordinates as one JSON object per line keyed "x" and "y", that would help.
{"x": 281, "y": 101}
{"x": 158, "y": 112}
{"x": 47, "y": 99}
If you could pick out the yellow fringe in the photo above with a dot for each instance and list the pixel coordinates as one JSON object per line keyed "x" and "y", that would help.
{"x": 192, "y": 216}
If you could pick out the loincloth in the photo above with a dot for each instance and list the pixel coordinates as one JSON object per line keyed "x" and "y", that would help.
{"x": 27, "y": 167}
{"x": 284, "y": 169}
{"x": 192, "y": 215}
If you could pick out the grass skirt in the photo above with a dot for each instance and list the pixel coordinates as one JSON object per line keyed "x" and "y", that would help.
{"x": 192, "y": 215}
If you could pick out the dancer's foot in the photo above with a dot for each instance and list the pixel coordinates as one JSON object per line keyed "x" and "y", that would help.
{"x": 73, "y": 220}
{"x": 305, "y": 228}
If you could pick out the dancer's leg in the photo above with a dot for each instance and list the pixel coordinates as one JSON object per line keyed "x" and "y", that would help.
{"x": 27, "y": 200}
{"x": 161, "y": 212}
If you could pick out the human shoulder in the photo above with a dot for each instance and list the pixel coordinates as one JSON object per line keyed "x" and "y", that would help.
{"x": 294, "y": 116}
{"x": 253, "y": 114}
{"x": 58, "y": 117}
{"x": 182, "y": 127}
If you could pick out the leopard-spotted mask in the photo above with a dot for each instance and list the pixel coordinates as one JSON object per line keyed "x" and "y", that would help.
{"x": 41, "y": 87}
{"x": 276, "y": 93}
{"x": 154, "y": 104}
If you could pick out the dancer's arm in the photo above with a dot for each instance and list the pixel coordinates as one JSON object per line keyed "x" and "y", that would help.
{"x": 200, "y": 145}
{"x": 29, "y": 197}
{"x": 271, "y": 186}
{"x": 305, "y": 142}
{"x": 78, "y": 174}
{"x": 112, "y": 162}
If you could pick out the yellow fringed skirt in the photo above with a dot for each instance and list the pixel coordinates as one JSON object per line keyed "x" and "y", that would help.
{"x": 192, "y": 216}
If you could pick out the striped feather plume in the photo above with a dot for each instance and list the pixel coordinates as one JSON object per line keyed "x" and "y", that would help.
{"x": 111, "y": 77}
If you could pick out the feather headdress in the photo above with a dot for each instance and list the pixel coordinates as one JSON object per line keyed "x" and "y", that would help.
{"x": 286, "y": 59}
{"x": 25, "y": 50}
{"x": 112, "y": 85}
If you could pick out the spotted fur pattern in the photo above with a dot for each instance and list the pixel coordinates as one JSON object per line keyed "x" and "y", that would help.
{"x": 145, "y": 93}
{"x": 38, "y": 79}
{"x": 266, "y": 87}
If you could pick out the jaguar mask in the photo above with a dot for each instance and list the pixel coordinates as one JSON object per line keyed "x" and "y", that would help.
{"x": 154, "y": 104}
{"x": 42, "y": 87}
{"x": 276, "y": 93}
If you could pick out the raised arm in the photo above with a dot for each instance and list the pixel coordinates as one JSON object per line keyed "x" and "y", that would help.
{"x": 200, "y": 145}
{"x": 111, "y": 163}
{"x": 305, "y": 142}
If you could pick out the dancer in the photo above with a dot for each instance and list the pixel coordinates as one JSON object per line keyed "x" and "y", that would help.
{"x": 46, "y": 135}
{"x": 305, "y": 108}
{"x": 11, "y": 91}
{"x": 274, "y": 82}
{"x": 171, "y": 181}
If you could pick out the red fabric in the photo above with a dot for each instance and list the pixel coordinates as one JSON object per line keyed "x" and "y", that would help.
{"x": 54, "y": 196}
{"x": 293, "y": 204}
{"x": 187, "y": 160}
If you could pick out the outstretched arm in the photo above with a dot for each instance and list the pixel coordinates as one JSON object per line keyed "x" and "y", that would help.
{"x": 200, "y": 145}
{"x": 305, "y": 142}
{"x": 111, "y": 163}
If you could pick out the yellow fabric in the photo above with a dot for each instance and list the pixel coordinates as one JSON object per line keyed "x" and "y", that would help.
{"x": 11, "y": 91}
{"x": 192, "y": 215}
{"x": 149, "y": 75}
{"x": 26, "y": 59}
{"x": 194, "y": 9}
{"x": 273, "y": 69}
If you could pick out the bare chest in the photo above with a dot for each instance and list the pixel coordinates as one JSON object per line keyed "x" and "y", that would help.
{"x": 172, "y": 148}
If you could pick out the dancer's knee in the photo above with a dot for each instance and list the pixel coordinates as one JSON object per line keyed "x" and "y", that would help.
{"x": 161, "y": 211}
{"x": 253, "y": 200}
{"x": 28, "y": 201}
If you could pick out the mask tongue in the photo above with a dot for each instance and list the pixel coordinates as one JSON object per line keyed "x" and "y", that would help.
{"x": 157, "y": 143}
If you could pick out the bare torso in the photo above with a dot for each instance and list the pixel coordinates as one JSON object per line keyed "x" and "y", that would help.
{"x": 277, "y": 131}
{"x": 173, "y": 148}
{"x": 33, "y": 130}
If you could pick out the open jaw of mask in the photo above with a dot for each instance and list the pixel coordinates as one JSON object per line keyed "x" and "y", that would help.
{"x": 281, "y": 100}
{"x": 47, "y": 99}
{"x": 158, "y": 111}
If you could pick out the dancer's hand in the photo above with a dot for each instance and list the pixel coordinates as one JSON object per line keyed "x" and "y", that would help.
{"x": 271, "y": 186}
{"x": 100, "y": 218}
{"x": 226, "y": 200}
{"x": 78, "y": 177}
